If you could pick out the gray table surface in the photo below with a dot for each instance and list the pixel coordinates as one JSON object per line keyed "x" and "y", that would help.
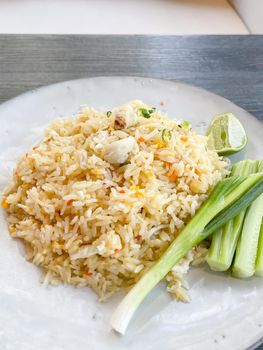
{"x": 231, "y": 66}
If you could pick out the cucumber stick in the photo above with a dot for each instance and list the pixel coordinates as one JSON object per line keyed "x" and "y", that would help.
{"x": 259, "y": 260}
{"x": 228, "y": 198}
{"x": 246, "y": 253}
{"x": 224, "y": 241}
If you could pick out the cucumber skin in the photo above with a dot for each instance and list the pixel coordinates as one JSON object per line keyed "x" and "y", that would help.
{"x": 218, "y": 258}
{"x": 259, "y": 261}
{"x": 246, "y": 253}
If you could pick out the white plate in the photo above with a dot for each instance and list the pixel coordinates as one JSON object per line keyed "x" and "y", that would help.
{"x": 225, "y": 313}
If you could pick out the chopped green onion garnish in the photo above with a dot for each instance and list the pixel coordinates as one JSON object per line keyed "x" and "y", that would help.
{"x": 108, "y": 114}
{"x": 146, "y": 113}
{"x": 185, "y": 125}
{"x": 166, "y": 135}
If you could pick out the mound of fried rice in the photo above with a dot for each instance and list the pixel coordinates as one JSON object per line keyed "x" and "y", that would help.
{"x": 102, "y": 196}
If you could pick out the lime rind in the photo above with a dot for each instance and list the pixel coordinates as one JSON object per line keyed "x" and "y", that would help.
{"x": 226, "y": 135}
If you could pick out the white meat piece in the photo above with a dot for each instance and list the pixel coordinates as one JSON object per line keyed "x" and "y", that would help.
{"x": 118, "y": 151}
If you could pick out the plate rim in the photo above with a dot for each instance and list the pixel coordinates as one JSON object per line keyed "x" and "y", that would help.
{"x": 97, "y": 77}
{"x": 41, "y": 88}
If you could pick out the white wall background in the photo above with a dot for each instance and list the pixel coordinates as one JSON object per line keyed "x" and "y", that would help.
{"x": 251, "y": 11}
{"x": 120, "y": 17}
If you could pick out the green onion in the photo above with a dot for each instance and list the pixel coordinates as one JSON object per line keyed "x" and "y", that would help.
{"x": 224, "y": 241}
{"x": 166, "y": 135}
{"x": 185, "y": 125}
{"x": 108, "y": 113}
{"x": 246, "y": 253}
{"x": 146, "y": 113}
{"x": 228, "y": 198}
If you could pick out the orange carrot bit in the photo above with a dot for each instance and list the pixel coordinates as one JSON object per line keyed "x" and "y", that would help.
{"x": 88, "y": 273}
{"x": 121, "y": 191}
{"x": 172, "y": 176}
{"x": 4, "y": 203}
{"x": 69, "y": 202}
{"x": 197, "y": 172}
{"x": 141, "y": 139}
{"x": 168, "y": 164}
{"x": 184, "y": 138}
{"x": 138, "y": 237}
{"x": 116, "y": 251}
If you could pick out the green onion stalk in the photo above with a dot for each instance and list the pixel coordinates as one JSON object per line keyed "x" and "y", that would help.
{"x": 228, "y": 198}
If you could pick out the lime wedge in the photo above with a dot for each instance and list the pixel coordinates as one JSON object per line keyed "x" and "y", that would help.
{"x": 226, "y": 135}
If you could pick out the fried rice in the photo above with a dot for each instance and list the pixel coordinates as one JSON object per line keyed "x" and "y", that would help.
{"x": 103, "y": 195}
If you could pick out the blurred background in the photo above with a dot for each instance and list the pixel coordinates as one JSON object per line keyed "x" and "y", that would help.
{"x": 132, "y": 16}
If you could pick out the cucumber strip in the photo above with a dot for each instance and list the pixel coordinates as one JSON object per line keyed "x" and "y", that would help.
{"x": 228, "y": 198}
{"x": 224, "y": 241}
{"x": 259, "y": 261}
{"x": 246, "y": 253}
